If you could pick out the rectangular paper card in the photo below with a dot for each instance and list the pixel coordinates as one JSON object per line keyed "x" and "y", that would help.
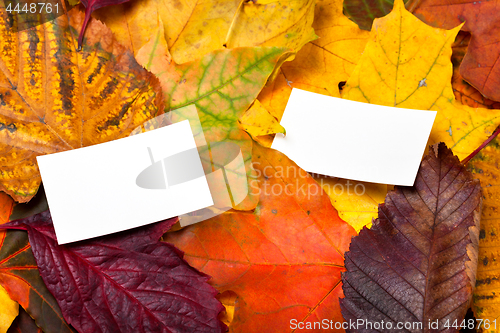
{"x": 98, "y": 190}
{"x": 341, "y": 138}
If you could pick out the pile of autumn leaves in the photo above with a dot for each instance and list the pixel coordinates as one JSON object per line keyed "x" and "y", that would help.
{"x": 275, "y": 262}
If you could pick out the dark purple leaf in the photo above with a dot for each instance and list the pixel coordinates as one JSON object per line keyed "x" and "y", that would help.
{"x": 416, "y": 266}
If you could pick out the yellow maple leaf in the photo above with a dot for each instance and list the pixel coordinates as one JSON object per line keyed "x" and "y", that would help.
{"x": 407, "y": 64}
{"x": 321, "y": 64}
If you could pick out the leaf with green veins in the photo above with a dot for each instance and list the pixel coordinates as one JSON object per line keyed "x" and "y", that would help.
{"x": 222, "y": 85}
{"x": 407, "y": 64}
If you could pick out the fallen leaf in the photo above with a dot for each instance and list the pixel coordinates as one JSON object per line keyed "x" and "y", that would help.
{"x": 364, "y": 12}
{"x": 24, "y": 324}
{"x": 480, "y": 65}
{"x": 464, "y": 92}
{"x": 257, "y": 122}
{"x": 220, "y": 96}
{"x": 19, "y": 275}
{"x": 417, "y": 264}
{"x": 284, "y": 260}
{"x": 63, "y": 99}
{"x": 94, "y": 281}
{"x": 321, "y": 64}
{"x": 485, "y": 167}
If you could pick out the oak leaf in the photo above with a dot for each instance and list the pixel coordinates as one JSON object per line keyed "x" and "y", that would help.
{"x": 53, "y": 98}
{"x": 125, "y": 282}
{"x": 480, "y": 65}
{"x": 417, "y": 264}
{"x": 284, "y": 260}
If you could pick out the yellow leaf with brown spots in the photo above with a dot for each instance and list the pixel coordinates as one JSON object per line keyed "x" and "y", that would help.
{"x": 53, "y": 98}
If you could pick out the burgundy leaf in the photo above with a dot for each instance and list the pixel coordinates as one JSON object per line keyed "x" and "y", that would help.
{"x": 125, "y": 282}
{"x": 416, "y": 266}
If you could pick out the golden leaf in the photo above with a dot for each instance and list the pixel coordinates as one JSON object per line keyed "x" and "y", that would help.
{"x": 53, "y": 98}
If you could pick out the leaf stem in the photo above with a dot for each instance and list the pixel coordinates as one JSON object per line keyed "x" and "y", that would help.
{"x": 474, "y": 153}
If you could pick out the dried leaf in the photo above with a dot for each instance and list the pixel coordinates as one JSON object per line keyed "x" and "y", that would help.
{"x": 480, "y": 66}
{"x": 53, "y": 98}
{"x": 283, "y": 260}
{"x": 321, "y": 64}
{"x": 417, "y": 264}
{"x": 94, "y": 281}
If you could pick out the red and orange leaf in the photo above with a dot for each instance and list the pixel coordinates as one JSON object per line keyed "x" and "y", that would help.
{"x": 417, "y": 264}
{"x": 284, "y": 260}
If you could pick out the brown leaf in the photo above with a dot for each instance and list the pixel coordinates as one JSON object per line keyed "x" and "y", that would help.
{"x": 53, "y": 98}
{"x": 417, "y": 264}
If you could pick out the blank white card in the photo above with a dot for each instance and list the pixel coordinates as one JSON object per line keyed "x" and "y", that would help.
{"x": 121, "y": 184}
{"x": 341, "y": 138}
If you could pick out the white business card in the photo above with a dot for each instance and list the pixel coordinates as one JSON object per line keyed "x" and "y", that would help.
{"x": 123, "y": 184}
{"x": 341, "y": 138}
